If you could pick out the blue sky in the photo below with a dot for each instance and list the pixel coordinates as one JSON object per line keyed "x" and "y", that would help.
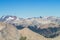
{"x": 30, "y": 8}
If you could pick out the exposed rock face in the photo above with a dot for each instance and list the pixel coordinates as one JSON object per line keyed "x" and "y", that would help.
{"x": 8, "y": 32}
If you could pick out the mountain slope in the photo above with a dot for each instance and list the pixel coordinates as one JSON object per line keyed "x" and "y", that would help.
{"x": 34, "y": 36}
{"x": 8, "y": 32}
{"x": 30, "y": 34}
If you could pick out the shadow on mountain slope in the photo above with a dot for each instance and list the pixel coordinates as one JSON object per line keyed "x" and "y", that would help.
{"x": 46, "y": 32}
{"x": 19, "y": 27}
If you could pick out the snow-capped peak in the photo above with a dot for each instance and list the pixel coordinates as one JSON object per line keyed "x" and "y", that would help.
{"x": 7, "y": 18}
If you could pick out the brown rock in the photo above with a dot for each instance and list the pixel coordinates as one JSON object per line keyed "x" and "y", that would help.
{"x": 8, "y": 32}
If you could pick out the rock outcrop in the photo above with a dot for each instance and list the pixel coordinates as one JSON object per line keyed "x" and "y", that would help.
{"x": 8, "y": 32}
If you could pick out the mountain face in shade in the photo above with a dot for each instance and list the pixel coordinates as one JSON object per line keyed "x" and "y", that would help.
{"x": 46, "y": 32}
{"x": 8, "y": 32}
{"x": 48, "y": 27}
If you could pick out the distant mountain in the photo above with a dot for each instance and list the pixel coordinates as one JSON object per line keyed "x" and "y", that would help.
{"x": 8, "y": 18}
{"x": 14, "y": 19}
{"x": 11, "y": 19}
{"x": 55, "y": 19}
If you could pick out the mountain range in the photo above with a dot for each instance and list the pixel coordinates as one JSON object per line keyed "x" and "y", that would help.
{"x": 48, "y": 27}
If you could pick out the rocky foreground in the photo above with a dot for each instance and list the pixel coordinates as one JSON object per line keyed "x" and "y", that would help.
{"x": 8, "y": 32}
